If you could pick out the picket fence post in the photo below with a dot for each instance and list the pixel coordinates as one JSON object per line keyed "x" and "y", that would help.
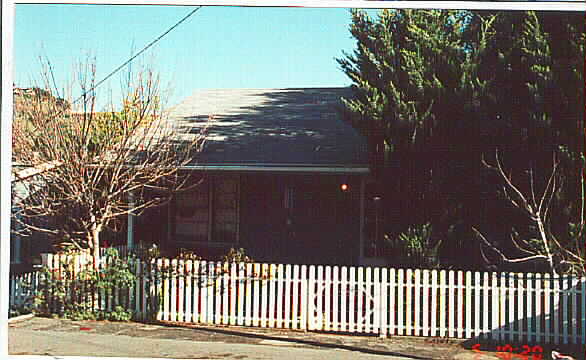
{"x": 408, "y": 303}
{"x": 288, "y": 281}
{"x": 196, "y": 291}
{"x": 327, "y": 291}
{"x": 506, "y": 307}
{"x": 425, "y": 289}
{"x": 384, "y": 310}
{"x": 352, "y": 295}
{"x": 468, "y": 317}
{"x": 211, "y": 290}
{"x": 264, "y": 294}
{"x": 304, "y": 298}
{"x": 241, "y": 284}
{"x": 497, "y": 322}
{"x": 377, "y": 301}
{"x": 311, "y": 294}
{"x": 232, "y": 293}
{"x": 365, "y": 294}
{"x": 335, "y": 298}
{"x": 272, "y": 294}
{"x": 434, "y": 297}
{"x": 344, "y": 299}
{"x": 280, "y": 285}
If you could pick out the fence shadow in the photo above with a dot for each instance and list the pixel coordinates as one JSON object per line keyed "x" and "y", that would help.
{"x": 565, "y": 311}
{"x": 256, "y": 335}
{"x": 523, "y": 349}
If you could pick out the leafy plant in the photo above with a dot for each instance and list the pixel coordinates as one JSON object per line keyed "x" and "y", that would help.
{"x": 146, "y": 252}
{"x": 21, "y": 309}
{"x": 185, "y": 254}
{"x": 238, "y": 256}
{"x": 66, "y": 293}
{"x": 119, "y": 314}
{"x": 415, "y": 247}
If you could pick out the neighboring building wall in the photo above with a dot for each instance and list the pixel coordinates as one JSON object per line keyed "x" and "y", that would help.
{"x": 25, "y": 250}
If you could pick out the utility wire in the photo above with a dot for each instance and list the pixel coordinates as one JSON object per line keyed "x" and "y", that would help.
{"x": 137, "y": 54}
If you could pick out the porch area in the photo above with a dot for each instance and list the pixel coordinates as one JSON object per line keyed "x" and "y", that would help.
{"x": 307, "y": 218}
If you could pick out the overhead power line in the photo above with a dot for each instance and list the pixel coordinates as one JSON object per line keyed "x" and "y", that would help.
{"x": 137, "y": 54}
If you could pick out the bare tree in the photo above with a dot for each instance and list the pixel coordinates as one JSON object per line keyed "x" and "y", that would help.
{"x": 103, "y": 162}
{"x": 560, "y": 256}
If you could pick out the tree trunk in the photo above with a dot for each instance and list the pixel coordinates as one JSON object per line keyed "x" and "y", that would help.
{"x": 95, "y": 242}
{"x": 542, "y": 233}
{"x": 95, "y": 245}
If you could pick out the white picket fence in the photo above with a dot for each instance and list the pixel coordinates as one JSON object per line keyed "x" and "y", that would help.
{"x": 22, "y": 288}
{"x": 531, "y": 308}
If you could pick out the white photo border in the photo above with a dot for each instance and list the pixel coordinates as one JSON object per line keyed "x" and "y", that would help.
{"x": 8, "y": 11}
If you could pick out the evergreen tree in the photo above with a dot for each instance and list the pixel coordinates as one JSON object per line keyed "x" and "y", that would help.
{"x": 438, "y": 91}
{"x": 415, "y": 85}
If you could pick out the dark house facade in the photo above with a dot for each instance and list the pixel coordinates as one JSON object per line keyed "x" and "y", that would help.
{"x": 282, "y": 176}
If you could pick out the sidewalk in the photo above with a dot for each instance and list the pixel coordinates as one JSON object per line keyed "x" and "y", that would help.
{"x": 43, "y": 336}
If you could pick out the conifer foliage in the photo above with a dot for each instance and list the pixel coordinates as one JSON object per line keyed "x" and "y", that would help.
{"x": 440, "y": 93}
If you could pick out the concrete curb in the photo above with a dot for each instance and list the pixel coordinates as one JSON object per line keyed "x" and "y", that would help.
{"x": 21, "y": 318}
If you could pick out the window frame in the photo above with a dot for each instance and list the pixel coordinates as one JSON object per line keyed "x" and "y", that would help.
{"x": 212, "y": 188}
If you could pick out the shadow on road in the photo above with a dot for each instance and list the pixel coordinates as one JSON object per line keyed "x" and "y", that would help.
{"x": 294, "y": 340}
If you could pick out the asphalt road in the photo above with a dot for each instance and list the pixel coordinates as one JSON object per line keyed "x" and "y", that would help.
{"x": 59, "y": 337}
{"x": 24, "y": 341}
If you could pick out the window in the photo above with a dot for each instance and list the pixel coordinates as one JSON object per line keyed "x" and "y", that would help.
{"x": 225, "y": 210}
{"x": 209, "y": 213}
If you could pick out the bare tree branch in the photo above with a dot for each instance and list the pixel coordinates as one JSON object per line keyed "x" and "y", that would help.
{"x": 98, "y": 158}
{"x": 546, "y": 246}
{"x": 501, "y": 255}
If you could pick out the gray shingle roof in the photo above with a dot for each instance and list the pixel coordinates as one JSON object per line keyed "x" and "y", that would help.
{"x": 273, "y": 127}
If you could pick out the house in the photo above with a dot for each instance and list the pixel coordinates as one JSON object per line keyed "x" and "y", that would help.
{"x": 284, "y": 177}
{"x": 24, "y": 250}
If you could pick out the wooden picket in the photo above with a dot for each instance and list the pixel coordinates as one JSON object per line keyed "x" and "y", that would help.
{"x": 291, "y": 296}
{"x": 376, "y": 285}
{"x": 263, "y": 295}
{"x": 434, "y": 311}
{"x": 535, "y": 308}
{"x": 344, "y": 298}
{"x": 408, "y": 302}
{"x": 468, "y": 316}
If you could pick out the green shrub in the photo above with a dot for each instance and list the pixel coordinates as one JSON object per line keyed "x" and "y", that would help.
{"x": 73, "y": 295}
{"x": 17, "y": 310}
{"x": 119, "y": 314}
{"x": 415, "y": 248}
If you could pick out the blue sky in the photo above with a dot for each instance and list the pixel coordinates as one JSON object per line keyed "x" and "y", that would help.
{"x": 218, "y": 47}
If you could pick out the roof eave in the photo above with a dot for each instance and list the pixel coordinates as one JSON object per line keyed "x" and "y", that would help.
{"x": 282, "y": 168}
